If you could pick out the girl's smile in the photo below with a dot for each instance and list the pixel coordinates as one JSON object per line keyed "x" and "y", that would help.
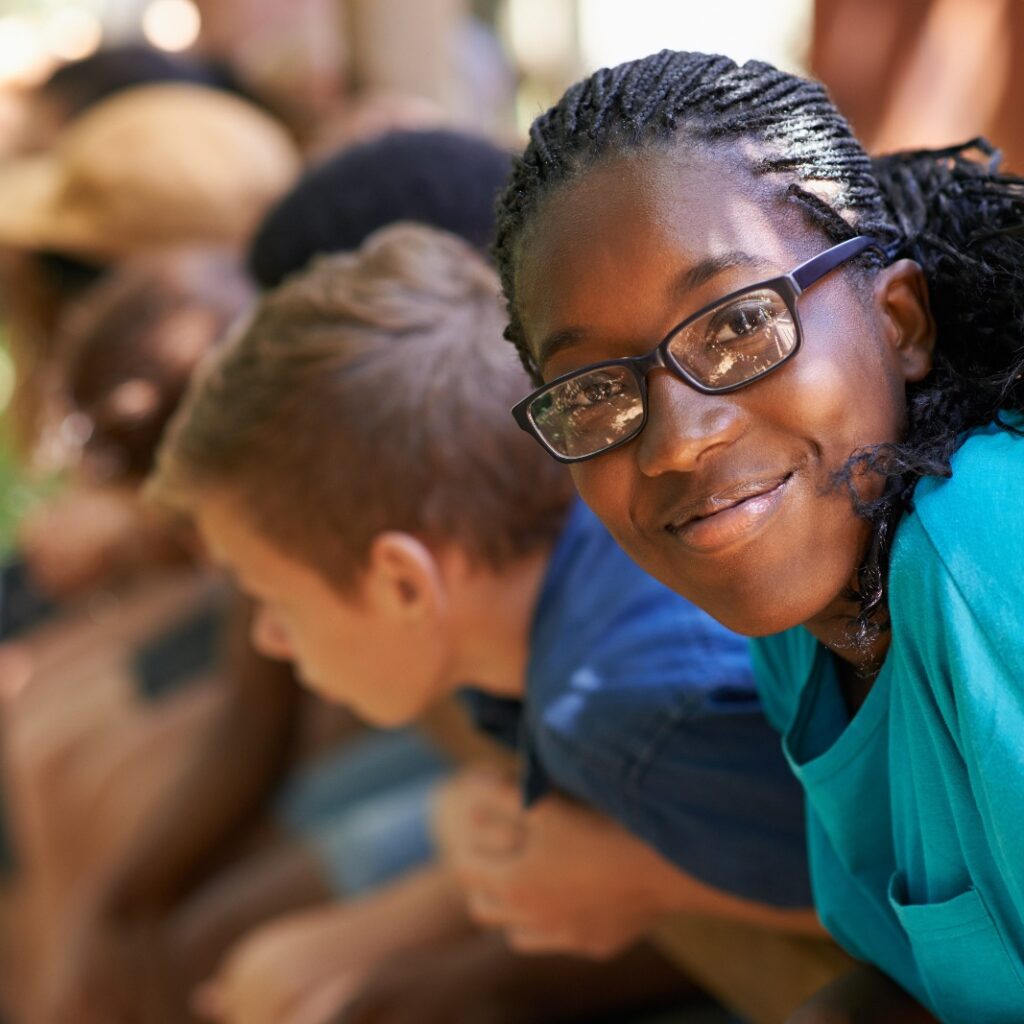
{"x": 729, "y": 515}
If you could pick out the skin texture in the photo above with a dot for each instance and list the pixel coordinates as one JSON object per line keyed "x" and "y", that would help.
{"x": 604, "y": 259}
{"x": 533, "y": 873}
{"x": 418, "y": 624}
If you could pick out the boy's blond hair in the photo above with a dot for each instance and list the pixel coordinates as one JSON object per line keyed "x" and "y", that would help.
{"x": 370, "y": 393}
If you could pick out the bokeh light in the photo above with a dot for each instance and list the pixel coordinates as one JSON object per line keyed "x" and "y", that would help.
{"x": 72, "y": 33}
{"x": 171, "y": 25}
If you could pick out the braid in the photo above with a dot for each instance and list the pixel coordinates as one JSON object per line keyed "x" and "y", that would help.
{"x": 960, "y": 219}
{"x": 962, "y": 222}
{"x": 705, "y": 98}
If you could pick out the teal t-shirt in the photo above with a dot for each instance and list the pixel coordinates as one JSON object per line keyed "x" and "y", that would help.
{"x": 916, "y": 805}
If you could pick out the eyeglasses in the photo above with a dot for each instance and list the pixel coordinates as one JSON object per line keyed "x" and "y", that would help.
{"x": 727, "y": 345}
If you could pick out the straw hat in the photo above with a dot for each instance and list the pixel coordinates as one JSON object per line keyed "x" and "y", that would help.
{"x": 153, "y": 166}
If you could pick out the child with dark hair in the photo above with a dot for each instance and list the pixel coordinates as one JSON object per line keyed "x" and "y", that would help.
{"x": 445, "y": 178}
{"x": 824, "y": 451}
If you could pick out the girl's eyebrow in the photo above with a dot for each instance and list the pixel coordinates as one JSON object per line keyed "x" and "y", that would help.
{"x": 558, "y": 341}
{"x": 706, "y": 269}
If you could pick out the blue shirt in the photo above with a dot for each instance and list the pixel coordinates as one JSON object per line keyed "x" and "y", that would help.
{"x": 642, "y": 706}
{"x": 916, "y": 805}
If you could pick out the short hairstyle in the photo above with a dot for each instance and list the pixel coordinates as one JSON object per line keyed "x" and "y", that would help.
{"x": 371, "y": 393}
{"x": 447, "y": 179}
{"x": 81, "y": 83}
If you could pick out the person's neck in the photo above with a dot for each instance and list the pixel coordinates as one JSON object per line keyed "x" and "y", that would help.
{"x": 858, "y": 661}
{"x": 492, "y": 614}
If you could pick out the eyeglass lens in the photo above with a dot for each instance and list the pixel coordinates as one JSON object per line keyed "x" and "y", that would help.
{"x": 737, "y": 340}
{"x": 590, "y": 411}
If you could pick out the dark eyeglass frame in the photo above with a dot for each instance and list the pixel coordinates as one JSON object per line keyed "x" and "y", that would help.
{"x": 788, "y": 286}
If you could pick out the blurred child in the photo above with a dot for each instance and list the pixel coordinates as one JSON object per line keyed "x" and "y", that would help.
{"x": 347, "y": 808}
{"x": 87, "y": 741}
{"x": 432, "y": 548}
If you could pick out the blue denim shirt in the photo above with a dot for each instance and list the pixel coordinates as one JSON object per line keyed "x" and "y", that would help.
{"x": 642, "y": 706}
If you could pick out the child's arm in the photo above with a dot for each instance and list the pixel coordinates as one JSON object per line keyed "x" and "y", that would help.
{"x": 269, "y": 973}
{"x": 564, "y": 878}
{"x": 864, "y": 995}
{"x": 217, "y": 792}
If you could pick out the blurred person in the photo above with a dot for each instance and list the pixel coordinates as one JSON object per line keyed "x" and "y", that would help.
{"x": 129, "y": 348}
{"x": 445, "y": 178}
{"x": 126, "y": 351}
{"x": 294, "y": 55}
{"x": 135, "y": 615}
{"x": 146, "y": 169}
{"x": 76, "y": 86}
{"x": 434, "y": 550}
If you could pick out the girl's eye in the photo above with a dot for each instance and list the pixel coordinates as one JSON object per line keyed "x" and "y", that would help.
{"x": 744, "y": 320}
{"x": 590, "y": 392}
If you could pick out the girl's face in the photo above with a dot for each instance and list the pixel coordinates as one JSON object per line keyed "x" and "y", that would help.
{"x": 728, "y": 499}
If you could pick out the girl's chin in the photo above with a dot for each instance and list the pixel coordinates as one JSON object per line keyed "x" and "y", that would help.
{"x": 770, "y": 604}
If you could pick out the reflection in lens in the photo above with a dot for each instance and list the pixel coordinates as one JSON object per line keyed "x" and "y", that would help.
{"x": 737, "y": 340}
{"x": 590, "y": 412}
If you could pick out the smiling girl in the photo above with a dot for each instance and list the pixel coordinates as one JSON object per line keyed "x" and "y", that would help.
{"x": 790, "y": 380}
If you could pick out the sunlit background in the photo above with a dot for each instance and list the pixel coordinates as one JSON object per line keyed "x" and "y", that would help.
{"x": 913, "y": 73}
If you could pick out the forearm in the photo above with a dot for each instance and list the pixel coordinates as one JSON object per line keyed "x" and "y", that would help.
{"x": 416, "y": 911}
{"x": 224, "y": 783}
{"x": 673, "y": 891}
{"x": 863, "y": 996}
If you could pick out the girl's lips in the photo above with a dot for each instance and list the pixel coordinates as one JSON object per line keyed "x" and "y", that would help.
{"x": 719, "y": 529}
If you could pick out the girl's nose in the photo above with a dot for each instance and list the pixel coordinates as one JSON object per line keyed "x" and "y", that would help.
{"x": 683, "y": 425}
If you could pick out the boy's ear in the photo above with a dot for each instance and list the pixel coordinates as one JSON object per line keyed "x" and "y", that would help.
{"x": 403, "y": 577}
{"x": 901, "y": 295}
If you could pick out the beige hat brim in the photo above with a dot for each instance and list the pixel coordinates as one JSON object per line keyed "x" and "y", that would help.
{"x": 32, "y": 215}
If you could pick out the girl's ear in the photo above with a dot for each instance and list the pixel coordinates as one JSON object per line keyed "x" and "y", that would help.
{"x": 403, "y": 578}
{"x": 901, "y": 296}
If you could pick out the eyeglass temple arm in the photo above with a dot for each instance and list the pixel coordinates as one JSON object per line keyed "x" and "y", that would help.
{"x": 807, "y": 273}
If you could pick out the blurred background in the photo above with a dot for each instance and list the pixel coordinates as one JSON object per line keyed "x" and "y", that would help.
{"x": 102, "y": 319}
{"x": 914, "y": 73}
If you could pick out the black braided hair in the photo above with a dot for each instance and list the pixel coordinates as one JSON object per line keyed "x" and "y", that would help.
{"x": 951, "y": 210}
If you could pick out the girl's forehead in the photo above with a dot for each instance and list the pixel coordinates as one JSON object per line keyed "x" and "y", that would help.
{"x": 632, "y": 224}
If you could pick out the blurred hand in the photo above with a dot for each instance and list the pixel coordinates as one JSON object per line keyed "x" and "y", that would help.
{"x": 559, "y": 878}
{"x": 299, "y": 967}
{"x": 284, "y": 972}
{"x": 478, "y": 811}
